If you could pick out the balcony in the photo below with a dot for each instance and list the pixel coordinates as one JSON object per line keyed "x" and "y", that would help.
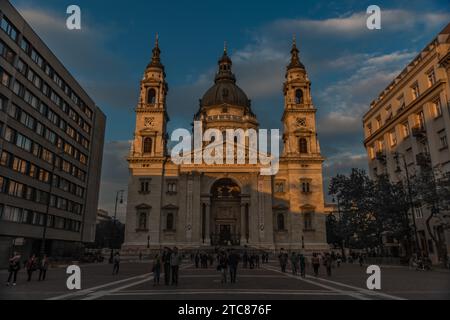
{"x": 423, "y": 159}
{"x": 419, "y": 132}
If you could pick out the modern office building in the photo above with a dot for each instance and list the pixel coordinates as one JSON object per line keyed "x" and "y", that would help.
{"x": 51, "y": 145}
{"x": 407, "y": 128}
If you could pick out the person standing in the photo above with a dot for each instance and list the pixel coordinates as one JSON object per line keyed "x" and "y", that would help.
{"x": 31, "y": 266}
{"x": 294, "y": 263}
{"x": 166, "y": 263}
{"x": 156, "y": 269}
{"x": 283, "y": 257}
{"x": 361, "y": 260}
{"x": 197, "y": 259}
{"x": 315, "y": 261}
{"x": 116, "y": 263}
{"x": 43, "y": 266}
{"x": 328, "y": 264}
{"x": 13, "y": 268}
{"x": 245, "y": 259}
{"x": 233, "y": 261}
{"x": 175, "y": 261}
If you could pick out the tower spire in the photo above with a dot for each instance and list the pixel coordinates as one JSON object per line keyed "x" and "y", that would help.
{"x": 295, "y": 59}
{"x": 156, "y": 55}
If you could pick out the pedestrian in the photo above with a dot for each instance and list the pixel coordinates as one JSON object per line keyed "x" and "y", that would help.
{"x": 315, "y": 261}
{"x": 294, "y": 263}
{"x": 31, "y": 266}
{"x": 223, "y": 266}
{"x": 245, "y": 259}
{"x": 43, "y": 266}
{"x": 116, "y": 263}
{"x": 328, "y": 264}
{"x": 283, "y": 258}
{"x": 197, "y": 259}
{"x": 257, "y": 260}
{"x": 175, "y": 261}
{"x": 361, "y": 260}
{"x": 233, "y": 261}
{"x": 166, "y": 262}
{"x": 13, "y": 268}
{"x": 156, "y": 269}
{"x": 302, "y": 264}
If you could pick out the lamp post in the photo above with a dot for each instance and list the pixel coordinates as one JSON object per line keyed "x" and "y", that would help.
{"x": 118, "y": 193}
{"x": 411, "y": 203}
{"x": 340, "y": 221}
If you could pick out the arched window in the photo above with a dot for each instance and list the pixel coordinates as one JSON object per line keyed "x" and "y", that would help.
{"x": 142, "y": 221}
{"x": 298, "y": 96}
{"x": 280, "y": 221}
{"x": 303, "y": 145}
{"x": 151, "y": 96}
{"x": 148, "y": 145}
{"x": 169, "y": 221}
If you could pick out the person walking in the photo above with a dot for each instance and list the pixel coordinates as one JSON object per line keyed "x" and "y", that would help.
{"x": 175, "y": 261}
{"x": 13, "y": 268}
{"x": 116, "y": 263}
{"x": 315, "y": 261}
{"x": 197, "y": 259}
{"x": 43, "y": 266}
{"x": 156, "y": 269}
{"x": 245, "y": 259}
{"x": 294, "y": 263}
{"x": 31, "y": 266}
{"x": 361, "y": 260}
{"x": 223, "y": 266}
{"x": 166, "y": 262}
{"x": 233, "y": 261}
{"x": 302, "y": 264}
{"x": 283, "y": 258}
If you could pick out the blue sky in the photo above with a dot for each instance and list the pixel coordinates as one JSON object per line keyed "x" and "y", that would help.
{"x": 347, "y": 64}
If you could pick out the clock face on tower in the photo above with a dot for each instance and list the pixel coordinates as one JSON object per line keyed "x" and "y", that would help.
{"x": 149, "y": 122}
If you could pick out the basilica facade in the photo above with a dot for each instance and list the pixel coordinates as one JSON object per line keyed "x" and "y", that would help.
{"x": 201, "y": 205}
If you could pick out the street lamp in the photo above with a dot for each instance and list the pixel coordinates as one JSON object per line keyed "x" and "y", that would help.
{"x": 340, "y": 221}
{"x": 411, "y": 203}
{"x": 118, "y": 194}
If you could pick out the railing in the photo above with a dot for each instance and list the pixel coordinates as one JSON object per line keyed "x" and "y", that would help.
{"x": 423, "y": 159}
{"x": 419, "y": 131}
{"x": 381, "y": 156}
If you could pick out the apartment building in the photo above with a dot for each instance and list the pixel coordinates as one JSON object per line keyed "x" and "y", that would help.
{"x": 51, "y": 146}
{"x": 408, "y": 127}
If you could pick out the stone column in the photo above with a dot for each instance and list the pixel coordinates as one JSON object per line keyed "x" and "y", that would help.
{"x": 207, "y": 223}
{"x": 242, "y": 230}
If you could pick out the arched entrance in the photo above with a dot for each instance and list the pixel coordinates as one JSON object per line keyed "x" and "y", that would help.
{"x": 225, "y": 212}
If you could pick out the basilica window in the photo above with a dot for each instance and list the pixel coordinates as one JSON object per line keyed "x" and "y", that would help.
{"x": 151, "y": 96}
{"x": 280, "y": 222}
{"x": 148, "y": 145}
{"x": 298, "y": 96}
{"x": 169, "y": 222}
{"x": 144, "y": 186}
{"x": 142, "y": 220}
{"x": 305, "y": 185}
{"x": 279, "y": 187}
{"x": 302, "y": 145}
{"x": 171, "y": 187}
{"x": 308, "y": 221}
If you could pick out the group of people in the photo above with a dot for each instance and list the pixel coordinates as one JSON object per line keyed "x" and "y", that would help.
{"x": 202, "y": 259}
{"x": 298, "y": 262}
{"x": 31, "y": 265}
{"x": 169, "y": 261}
{"x": 253, "y": 259}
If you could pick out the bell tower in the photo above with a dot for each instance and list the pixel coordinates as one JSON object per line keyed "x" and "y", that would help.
{"x": 300, "y": 137}
{"x": 150, "y": 139}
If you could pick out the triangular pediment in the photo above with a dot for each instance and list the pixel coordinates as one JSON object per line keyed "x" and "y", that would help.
{"x": 143, "y": 206}
{"x": 170, "y": 207}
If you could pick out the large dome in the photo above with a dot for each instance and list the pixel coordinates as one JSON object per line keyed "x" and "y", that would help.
{"x": 225, "y": 92}
{"x": 225, "y": 89}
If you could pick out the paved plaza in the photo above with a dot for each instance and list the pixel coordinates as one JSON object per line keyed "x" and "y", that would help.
{"x": 135, "y": 281}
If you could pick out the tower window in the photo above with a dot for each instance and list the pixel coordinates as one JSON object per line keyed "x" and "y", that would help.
{"x": 308, "y": 221}
{"x": 298, "y": 96}
{"x": 169, "y": 221}
{"x": 151, "y": 96}
{"x": 303, "y": 145}
{"x": 142, "y": 223}
{"x": 148, "y": 145}
{"x": 280, "y": 221}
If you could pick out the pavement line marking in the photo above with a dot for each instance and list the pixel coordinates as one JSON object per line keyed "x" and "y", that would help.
{"x": 99, "y": 294}
{"x": 354, "y": 295}
{"x": 361, "y": 290}
{"x": 90, "y": 290}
